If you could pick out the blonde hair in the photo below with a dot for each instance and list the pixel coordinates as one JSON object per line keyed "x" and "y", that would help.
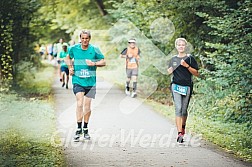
{"x": 180, "y": 39}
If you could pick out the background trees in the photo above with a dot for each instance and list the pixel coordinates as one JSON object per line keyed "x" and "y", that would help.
{"x": 219, "y": 31}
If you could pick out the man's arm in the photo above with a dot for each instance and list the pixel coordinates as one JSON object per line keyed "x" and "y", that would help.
{"x": 100, "y": 63}
{"x": 69, "y": 63}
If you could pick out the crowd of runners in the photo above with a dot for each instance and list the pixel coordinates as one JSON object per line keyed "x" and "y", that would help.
{"x": 81, "y": 60}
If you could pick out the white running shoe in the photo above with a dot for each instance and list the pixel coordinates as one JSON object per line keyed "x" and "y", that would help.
{"x": 77, "y": 134}
{"x": 133, "y": 94}
{"x": 127, "y": 92}
{"x": 86, "y": 136}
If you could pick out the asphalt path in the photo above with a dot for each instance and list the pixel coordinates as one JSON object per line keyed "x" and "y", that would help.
{"x": 127, "y": 132}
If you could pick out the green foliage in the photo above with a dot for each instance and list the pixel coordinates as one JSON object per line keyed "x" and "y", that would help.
{"x": 229, "y": 136}
{"x": 228, "y": 53}
{"x": 31, "y": 80}
{"x": 220, "y": 32}
{"x": 6, "y": 53}
{"x": 16, "y": 40}
{"x": 28, "y": 124}
{"x": 62, "y": 18}
{"x": 26, "y": 130}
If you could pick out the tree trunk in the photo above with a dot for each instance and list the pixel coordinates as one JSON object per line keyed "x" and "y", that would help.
{"x": 100, "y": 6}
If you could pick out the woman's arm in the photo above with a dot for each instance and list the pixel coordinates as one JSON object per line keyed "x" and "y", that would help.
{"x": 192, "y": 70}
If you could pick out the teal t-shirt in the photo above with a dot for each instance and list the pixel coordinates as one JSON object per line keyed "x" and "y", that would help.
{"x": 84, "y": 75}
{"x": 63, "y": 55}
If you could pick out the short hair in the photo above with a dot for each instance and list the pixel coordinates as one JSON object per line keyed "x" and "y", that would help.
{"x": 180, "y": 39}
{"x": 85, "y": 32}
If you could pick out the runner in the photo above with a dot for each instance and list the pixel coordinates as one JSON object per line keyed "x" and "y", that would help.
{"x": 132, "y": 55}
{"x": 63, "y": 67}
{"x": 182, "y": 66}
{"x": 58, "y": 50}
{"x": 87, "y": 58}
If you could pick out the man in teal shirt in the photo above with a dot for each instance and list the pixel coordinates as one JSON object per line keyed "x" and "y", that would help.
{"x": 63, "y": 67}
{"x": 87, "y": 58}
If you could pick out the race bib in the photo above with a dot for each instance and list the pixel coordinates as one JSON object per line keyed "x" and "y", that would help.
{"x": 132, "y": 60}
{"x": 83, "y": 73}
{"x": 180, "y": 89}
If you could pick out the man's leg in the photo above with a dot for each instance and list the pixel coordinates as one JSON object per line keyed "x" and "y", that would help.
{"x": 79, "y": 114}
{"x": 67, "y": 80}
{"x": 67, "y": 77}
{"x": 63, "y": 78}
{"x": 87, "y": 108}
{"x": 87, "y": 113}
{"x": 59, "y": 70}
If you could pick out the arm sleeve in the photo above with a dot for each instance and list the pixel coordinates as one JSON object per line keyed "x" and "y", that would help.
{"x": 169, "y": 64}
{"x": 124, "y": 51}
{"x": 194, "y": 63}
{"x": 98, "y": 54}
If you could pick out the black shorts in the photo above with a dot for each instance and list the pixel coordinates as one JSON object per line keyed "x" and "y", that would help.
{"x": 89, "y": 91}
{"x": 64, "y": 69}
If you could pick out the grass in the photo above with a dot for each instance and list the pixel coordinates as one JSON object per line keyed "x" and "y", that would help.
{"x": 36, "y": 83}
{"x": 28, "y": 123}
{"x": 232, "y": 137}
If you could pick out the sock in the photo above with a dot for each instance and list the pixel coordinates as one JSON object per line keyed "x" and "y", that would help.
{"x": 134, "y": 86}
{"x": 85, "y": 127}
{"x": 127, "y": 85}
{"x": 183, "y": 126}
{"x": 79, "y": 125}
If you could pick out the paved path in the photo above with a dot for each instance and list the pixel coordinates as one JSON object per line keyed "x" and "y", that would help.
{"x": 125, "y": 132}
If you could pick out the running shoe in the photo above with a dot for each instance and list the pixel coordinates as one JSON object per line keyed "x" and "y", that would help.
{"x": 77, "y": 134}
{"x": 133, "y": 95}
{"x": 127, "y": 92}
{"x": 86, "y": 136}
{"x": 180, "y": 138}
{"x": 63, "y": 84}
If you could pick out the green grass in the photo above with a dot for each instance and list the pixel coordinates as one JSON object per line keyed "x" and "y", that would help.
{"x": 234, "y": 138}
{"x": 36, "y": 82}
{"x": 28, "y": 124}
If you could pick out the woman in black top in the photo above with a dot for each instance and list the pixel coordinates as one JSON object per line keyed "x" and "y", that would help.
{"x": 183, "y": 66}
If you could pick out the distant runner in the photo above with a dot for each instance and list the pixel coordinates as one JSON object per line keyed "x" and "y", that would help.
{"x": 132, "y": 55}
{"x": 63, "y": 66}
